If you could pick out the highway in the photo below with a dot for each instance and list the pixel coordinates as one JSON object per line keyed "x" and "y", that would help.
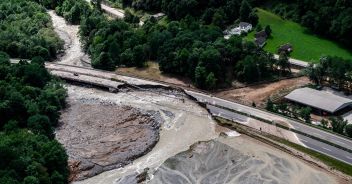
{"x": 308, "y": 142}
{"x": 341, "y": 141}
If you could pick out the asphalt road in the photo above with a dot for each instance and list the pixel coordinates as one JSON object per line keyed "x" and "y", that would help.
{"x": 308, "y": 142}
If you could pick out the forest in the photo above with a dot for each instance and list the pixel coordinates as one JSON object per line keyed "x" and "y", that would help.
{"x": 216, "y": 12}
{"x": 30, "y": 101}
{"x": 26, "y": 31}
{"x": 30, "y": 98}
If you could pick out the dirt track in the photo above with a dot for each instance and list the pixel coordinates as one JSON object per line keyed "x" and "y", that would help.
{"x": 260, "y": 93}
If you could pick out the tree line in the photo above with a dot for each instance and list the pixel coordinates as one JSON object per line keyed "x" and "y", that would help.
{"x": 26, "y": 31}
{"x": 332, "y": 71}
{"x": 30, "y": 101}
{"x": 219, "y": 12}
{"x": 200, "y": 52}
{"x": 329, "y": 18}
{"x": 187, "y": 47}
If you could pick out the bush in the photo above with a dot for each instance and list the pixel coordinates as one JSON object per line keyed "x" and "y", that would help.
{"x": 348, "y": 130}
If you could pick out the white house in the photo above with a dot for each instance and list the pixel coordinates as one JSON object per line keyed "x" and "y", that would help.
{"x": 243, "y": 27}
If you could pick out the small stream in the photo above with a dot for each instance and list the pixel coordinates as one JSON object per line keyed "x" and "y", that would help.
{"x": 73, "y": 54}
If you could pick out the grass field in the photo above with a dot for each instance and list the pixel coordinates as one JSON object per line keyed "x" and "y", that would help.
{"x": 307, "y": 46}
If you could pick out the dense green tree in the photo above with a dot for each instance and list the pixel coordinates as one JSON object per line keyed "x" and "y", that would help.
{"x": 245, "y": 11}
{"x": 139, "y": 56}
{"x": 27, "y": 157}
{"x": 40, "y": 124}
{"x": 268, "y": 30}
{"x": 104, "y": 61}
{"x": 305, "y": 114}
{"x": 269, "y": 105}
{"x": 131, "y": 18}
{"x": 210, "y": 81}
{"x": 348, "y": 130}
{"x": 338, "y": 124}
{"x": 200, "y": 76}
{"x": 26, "y": 31}
{"x": 283, "y": 63}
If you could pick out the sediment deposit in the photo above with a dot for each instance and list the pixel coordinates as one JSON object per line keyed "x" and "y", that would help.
{"x": 100, "y": 135}
{"x": 228, "y": 161}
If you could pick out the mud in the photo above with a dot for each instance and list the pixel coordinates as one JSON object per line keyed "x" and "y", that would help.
{"x": 99, "y": 135}
{"x": 73, "y": 54}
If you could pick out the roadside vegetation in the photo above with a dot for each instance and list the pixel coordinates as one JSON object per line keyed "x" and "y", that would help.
{"x": 30, "y": 100}
{"x": 307, "y": 46}
{"x": 26, "y": 31}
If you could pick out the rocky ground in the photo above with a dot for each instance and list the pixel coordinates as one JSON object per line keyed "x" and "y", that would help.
{"x": 73, "y": 54}
{"x": 100, "y": 135}
{"x": 234, "y": 160}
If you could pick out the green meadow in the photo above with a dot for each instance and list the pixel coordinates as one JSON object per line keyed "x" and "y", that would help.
{"x": 307, "y": 46}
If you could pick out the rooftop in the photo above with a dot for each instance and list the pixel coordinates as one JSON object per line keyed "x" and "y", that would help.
{"x": 244, "y": 24}
{"x": 260, "y": 41}
{"x": 319, "y": 99}
{"x": 261, "y": 34}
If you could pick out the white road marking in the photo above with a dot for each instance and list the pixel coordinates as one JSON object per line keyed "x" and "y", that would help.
{"x": 326, "y": 149}
{"x": 349, "y": 157}
{"x": 304, "y": 140}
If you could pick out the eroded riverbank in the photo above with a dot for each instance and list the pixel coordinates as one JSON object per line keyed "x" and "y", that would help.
{"x": 183, "y": 123}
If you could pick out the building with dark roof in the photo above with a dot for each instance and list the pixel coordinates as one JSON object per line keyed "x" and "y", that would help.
{"x": 261, "y": 34}
{"x": 260, "y": 38}
{"x": 285, "y": 48}
{"x": 260, "y": 42}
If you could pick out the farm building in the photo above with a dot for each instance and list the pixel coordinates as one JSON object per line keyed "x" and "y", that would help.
{"x": 320, "y": 101}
